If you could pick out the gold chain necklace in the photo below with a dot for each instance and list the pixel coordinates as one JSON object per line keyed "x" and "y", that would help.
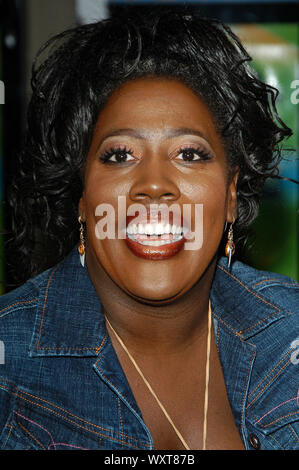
{"x": 206, "y": 401}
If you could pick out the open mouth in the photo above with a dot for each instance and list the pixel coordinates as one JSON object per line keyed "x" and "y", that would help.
{"x": 154, "y": 234}
{"x": 155, "y": 240}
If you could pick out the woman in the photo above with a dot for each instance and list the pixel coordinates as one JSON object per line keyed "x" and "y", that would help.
{"x": 138, "y": 342}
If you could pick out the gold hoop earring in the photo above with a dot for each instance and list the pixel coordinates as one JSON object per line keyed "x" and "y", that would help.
{"x": 81, "y": 246}
{"x": 230, "y": 246}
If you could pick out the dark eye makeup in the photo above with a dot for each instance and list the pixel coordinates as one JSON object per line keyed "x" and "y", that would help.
{"x": 120, "y": 154}
{"x": 190, "y": 154}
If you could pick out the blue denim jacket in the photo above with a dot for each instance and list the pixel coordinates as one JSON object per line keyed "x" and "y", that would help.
{"x": 62, "y": 386}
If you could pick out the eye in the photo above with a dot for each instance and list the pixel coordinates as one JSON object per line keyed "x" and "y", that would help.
{"x": 193, "y": 154}
{"x": 117, "y": 155}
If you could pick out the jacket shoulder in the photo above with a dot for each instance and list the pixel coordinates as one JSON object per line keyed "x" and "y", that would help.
{"x": 275, "y": 288}
{"x": 257, "y": 276}
{"x": 24, "y": 297}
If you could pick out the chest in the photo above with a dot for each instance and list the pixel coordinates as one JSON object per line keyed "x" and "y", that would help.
{"x": 185, "y": 407}
{"x": 222, "y": 432}
{"x": 180, "y": 388}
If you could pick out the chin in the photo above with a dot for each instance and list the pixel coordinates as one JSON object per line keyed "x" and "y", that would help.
{"x": 154, "y": 295}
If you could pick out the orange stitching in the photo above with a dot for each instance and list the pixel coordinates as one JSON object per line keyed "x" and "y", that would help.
{"x": 99, "y": 360}
{"x": 120, "y": 416}
{"x": 261, "y": 321}
{"x": 278, "y": 419}
{"x": 280, "y": 282}
{"x": 8, "y": 436}
{"x": 59, "y": 407}
{"x": 31, "y": 435}
{"x": 45, "y": 302}
{"x": 245, "y": 287}
{"x": 102, "y": 344}
{"x": 268, "y": 384}
{"x": 236, "y": 333}
{"x": 294, "y": 433}
{"x": 68, "y": 412}
{"x": 110, "y": 382}
{"x": 33, "y": 282}
{"x": 18, "y": 303}
{"x": 277, "y": 442}
{"x": 71, "y": 421}
{"x": 217, "y": 339}
{"x": 255, "y": 295}
{"x": 97, "y": 349}
{"x": 268, "y": 374}
{"x": 246, "y": 381}
{"x": 264, "y": 280}
{"x": 42, "y": 321}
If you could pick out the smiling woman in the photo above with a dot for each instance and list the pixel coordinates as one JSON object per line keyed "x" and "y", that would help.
{"x": 170, "y": 153}
{"x": 145, "y": 339}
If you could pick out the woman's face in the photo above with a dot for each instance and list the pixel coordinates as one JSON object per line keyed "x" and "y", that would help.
{"x": 155, "y": 142}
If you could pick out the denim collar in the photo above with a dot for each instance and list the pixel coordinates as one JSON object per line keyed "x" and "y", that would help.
{"x": 70, "y": 320}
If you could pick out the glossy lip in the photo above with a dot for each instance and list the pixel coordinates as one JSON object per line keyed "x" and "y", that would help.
{"x": 156, "y": 252}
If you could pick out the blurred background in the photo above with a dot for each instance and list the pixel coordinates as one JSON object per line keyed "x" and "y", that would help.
{"x": 269, "y": 31}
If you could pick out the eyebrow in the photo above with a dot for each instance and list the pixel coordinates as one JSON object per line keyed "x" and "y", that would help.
{"x": 143, "y": 134}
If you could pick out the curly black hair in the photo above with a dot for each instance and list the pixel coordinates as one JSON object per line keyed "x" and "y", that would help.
{"x": 72, "y": 83}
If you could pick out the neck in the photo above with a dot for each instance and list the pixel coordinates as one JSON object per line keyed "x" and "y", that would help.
{"x": 155, "y": 327}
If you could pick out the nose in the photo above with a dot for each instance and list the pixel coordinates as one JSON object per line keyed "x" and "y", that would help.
{"x": 154, "y": 183}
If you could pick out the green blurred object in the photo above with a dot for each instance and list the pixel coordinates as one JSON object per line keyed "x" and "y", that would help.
{"x": 274, "y": 49}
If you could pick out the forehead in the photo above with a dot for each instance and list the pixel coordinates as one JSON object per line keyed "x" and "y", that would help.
{"x": 155, "y": 104}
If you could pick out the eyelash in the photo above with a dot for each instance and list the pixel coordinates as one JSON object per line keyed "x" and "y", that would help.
{"x": 105, "y": 157}
{"x": 199, "y": 151}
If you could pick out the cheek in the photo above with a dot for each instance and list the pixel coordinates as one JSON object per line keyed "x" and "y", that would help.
{"x": 211, "y": 191}
{"x": 100, "y": 190}
{"x": 102, "y": 206}
{"x": 214, "y": 215}
{"x": 216, "y": 200}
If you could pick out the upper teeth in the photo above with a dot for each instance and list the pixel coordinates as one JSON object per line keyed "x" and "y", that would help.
{"x": 153, "y": 229}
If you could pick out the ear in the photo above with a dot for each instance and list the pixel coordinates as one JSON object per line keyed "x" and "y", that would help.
{"x": 232, "y": 203}
{"x": 81, "y": 208}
